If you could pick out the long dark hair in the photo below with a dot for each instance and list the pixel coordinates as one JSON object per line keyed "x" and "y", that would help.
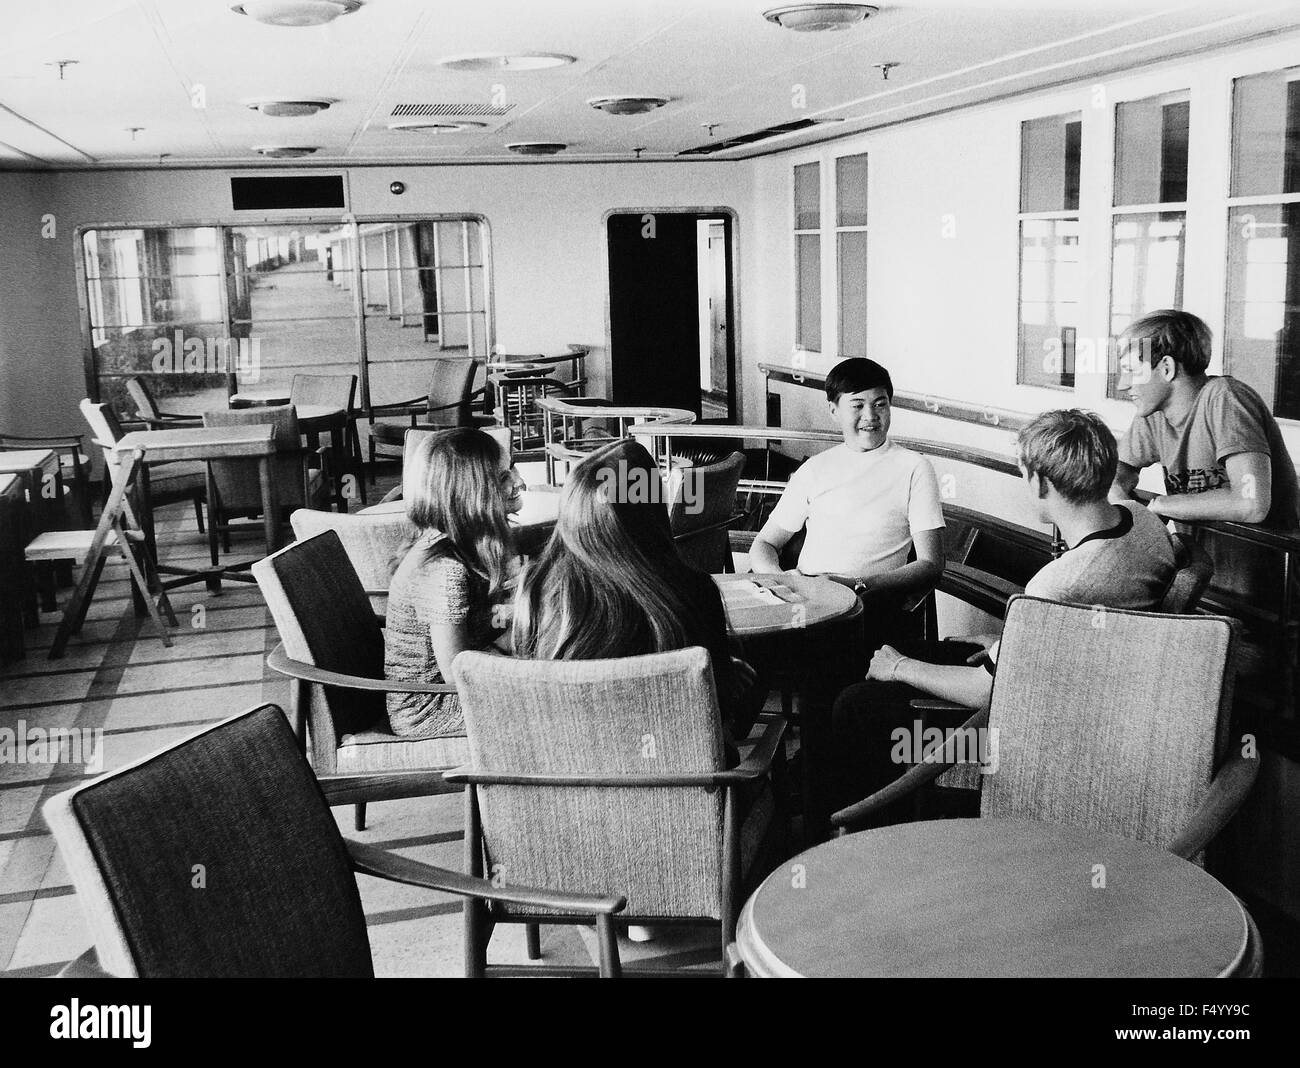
{"x": 451, "y": 484}
{"x": 609, "y": 581}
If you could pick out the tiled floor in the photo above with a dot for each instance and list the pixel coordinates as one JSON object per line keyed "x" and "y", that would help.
{"x": 118, "y": 676}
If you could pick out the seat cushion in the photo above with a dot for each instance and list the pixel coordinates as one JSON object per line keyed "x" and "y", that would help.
{"x": 181, "y": 476}
{"x": 378, "y": 750}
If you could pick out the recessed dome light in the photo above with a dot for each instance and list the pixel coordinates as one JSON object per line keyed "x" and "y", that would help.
{"x": 811, "y": 18}
{"x": 537, "y": 148}
{"x": 506, "y": 61}
{"x": 296, "y": 12}
{"x": 289, "y": 109}
{"x": 627, "y": 105}
{"x": 437, "y": 126}
{"x": 285, "y": 151}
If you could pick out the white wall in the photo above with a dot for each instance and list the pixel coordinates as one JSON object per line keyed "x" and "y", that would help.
{"x": 546, "y": 231}
{"x": 942, "y": 310}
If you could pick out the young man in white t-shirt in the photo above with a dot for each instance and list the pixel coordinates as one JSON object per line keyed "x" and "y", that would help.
{"x": 864, "y": 504}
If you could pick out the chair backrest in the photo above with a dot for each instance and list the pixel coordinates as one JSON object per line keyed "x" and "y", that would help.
{"x": 645, "y": 715}
{"x": 104, "y": 428}
{"x": 453, "y": 383}
{"x": 215, "y": 857}
{"x": 237, "y": 481}
{"x": 1108, "y": 719}
{"x": 324, "y": 618}
{"x": 1191, "y": 580}
{"x": 376, "y": 544}
{"x": 328, "y": 391}
{"x": 145, "y": 406}
{"x": 704, "y": 496}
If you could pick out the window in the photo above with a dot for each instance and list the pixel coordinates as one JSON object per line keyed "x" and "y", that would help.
{"x": 851, "y": 252}
{"x": 1149, "y": 221}
{"x": 808, "y": 257}
{"x": 1050, "y": 280}
{"x": 1261, "y": 338}
{"x": 204, "y": 311}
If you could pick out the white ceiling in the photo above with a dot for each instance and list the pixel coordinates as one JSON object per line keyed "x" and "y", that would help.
{"x": 140, "y": 62}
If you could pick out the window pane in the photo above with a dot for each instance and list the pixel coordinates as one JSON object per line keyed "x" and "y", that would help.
{"x": 1146, "y": 267}
{"x": 1262, "y": 332}
{"x": 1049, "y": 300}
{"x": 807, "y": 197}
{"x": 851, "y": 191}
{"x": 1151, "y": 150}
{"x": 1266, "y": 134}
{"x": 291, "y": 292}
{"x": 853, "y": 293}
{"x": 808, "y": 299}
{"x": 1049, "y": 163}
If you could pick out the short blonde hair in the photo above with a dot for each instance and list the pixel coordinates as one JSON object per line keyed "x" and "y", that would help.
{"x": 1074, "y": 450}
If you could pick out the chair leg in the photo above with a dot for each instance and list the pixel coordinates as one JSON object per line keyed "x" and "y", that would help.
{"x": 198, "y": 511}
{"x": 45, "y": 585}
{"x": 610, "y": 966}
{"x": 533, "y": 940}
{"x": 359, "y": 822}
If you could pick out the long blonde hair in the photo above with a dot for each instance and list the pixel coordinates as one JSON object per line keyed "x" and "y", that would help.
{"x": 451, "y": 484}
{"x": 608, "y": 582}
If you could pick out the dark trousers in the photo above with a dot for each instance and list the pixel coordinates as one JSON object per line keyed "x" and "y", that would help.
{"x": 863, "y": 720}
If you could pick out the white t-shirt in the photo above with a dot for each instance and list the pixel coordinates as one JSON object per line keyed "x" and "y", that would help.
{"x": 860, "y": 508}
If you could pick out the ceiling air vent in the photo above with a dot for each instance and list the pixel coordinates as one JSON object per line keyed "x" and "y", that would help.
{"x": 758, "y": 135}
{"x": 425, "y": 111}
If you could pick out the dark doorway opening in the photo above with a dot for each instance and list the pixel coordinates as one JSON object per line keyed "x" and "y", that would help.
{"x": 672, "y": 311}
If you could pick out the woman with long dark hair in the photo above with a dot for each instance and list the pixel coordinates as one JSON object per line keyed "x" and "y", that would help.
{"x": 453, "y": 588}
{"x": 610, "y": 583}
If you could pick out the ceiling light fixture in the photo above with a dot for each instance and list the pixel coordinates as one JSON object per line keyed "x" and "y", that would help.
{"x": 511, "y": 61}
{"x": 296, "y": 12}
{"x": 537, "y": 148}
{"x": 813, "y": 18}
{"x": 441, "y": 126}
{"x": 627, "y": 105}
{"x": 285, "y": 151}
{"x": 290, "y": 109}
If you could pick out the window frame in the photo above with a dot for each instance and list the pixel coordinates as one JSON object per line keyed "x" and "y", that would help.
{"x": 224, "y": 226}
{"x": 840, "y": 231}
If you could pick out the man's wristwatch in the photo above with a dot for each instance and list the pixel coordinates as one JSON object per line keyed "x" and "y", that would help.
{"x": 860, "y": 588}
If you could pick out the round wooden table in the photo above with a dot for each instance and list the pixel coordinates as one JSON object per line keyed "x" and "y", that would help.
{"x": 773, "y": 604}
{"x": 988, "y": 898}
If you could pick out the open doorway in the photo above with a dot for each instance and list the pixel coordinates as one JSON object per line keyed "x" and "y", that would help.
{"x": 671, "y": 311}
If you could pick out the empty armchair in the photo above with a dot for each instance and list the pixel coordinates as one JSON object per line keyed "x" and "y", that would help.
{"x": 236, "y": 488}
{"x": 148, "y": 412}
{"x": 589, "y": 775}
{"x": 701, "y": 509}
{"x": 238, "y": 801}
{"x": 449, "y": 403}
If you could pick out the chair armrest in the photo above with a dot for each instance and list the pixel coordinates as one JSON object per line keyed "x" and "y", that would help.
{"x": 370, "y": 860}
{"x": 938, "y": 704}
{"x": 755, "y": 766}
{"x": 1227, "y": 792}
{"x": 915, "y": 777}
{"x": 86, "y": 966}
{"x": 446, "y": 407}
{"x": 759, "y": 761}
{"x": 721, "y": 524}
{"x": 181, "y": 417}
{"x": 412, "y": 407}
{"x": 280, "y": 662}
{"x": 352, "y": 789}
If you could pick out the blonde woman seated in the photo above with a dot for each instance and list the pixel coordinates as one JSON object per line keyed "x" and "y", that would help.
{"x": 610, "y": 583}
{"x": 452, "y": 590}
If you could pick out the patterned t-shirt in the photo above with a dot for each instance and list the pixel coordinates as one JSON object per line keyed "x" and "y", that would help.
{"x": 1228, "y": 418}
{"x": 431, "y": 586}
